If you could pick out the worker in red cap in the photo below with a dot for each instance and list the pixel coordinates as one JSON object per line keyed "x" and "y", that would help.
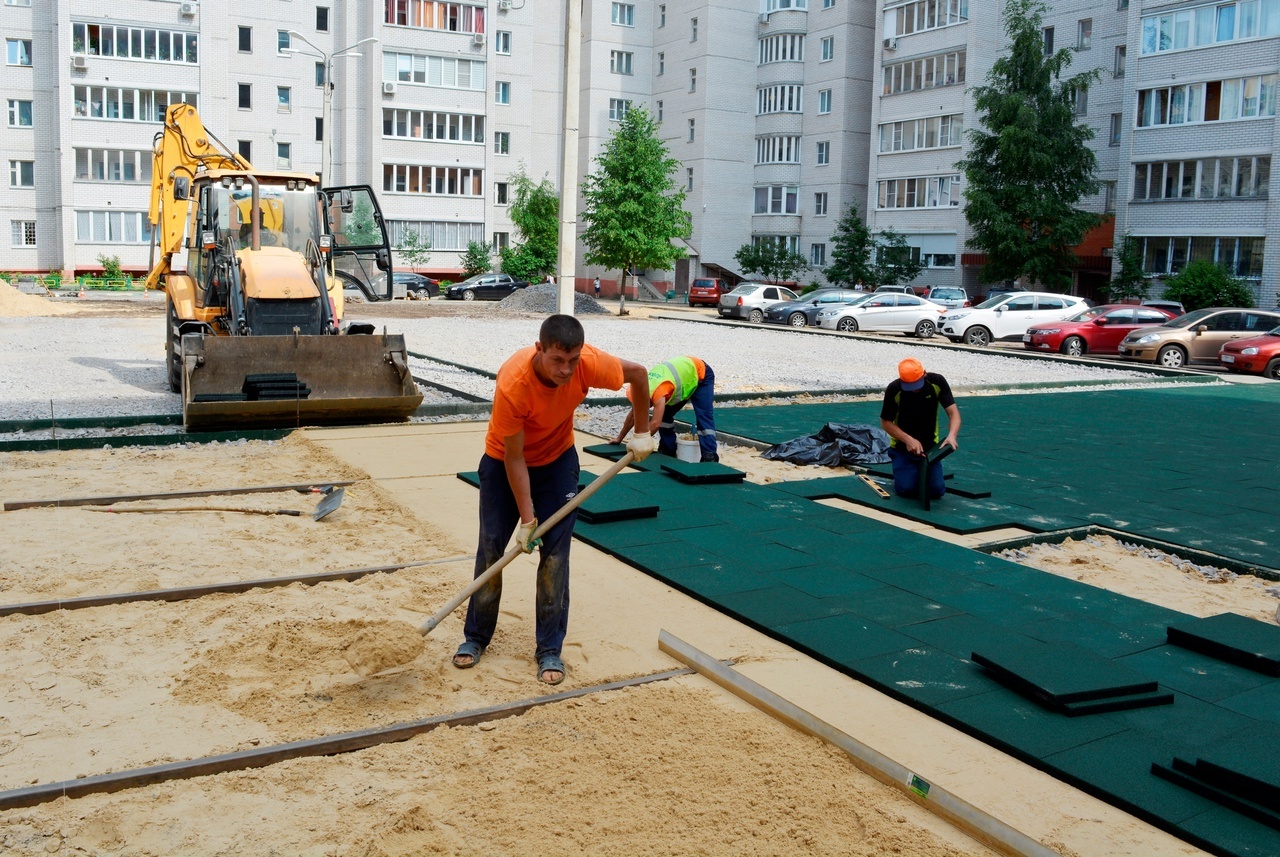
{"x": 910, "y": 416}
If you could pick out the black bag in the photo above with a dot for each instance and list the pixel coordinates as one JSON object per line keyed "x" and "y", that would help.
{"x": 836, "y": 445}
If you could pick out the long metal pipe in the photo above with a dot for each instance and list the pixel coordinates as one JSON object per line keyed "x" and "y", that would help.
{"x": 569, "y": 158}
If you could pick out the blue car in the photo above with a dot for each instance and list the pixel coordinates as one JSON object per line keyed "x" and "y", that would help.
{"x": 804, "y": 312}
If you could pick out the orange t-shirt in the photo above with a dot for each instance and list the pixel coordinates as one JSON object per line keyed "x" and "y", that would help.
{"x": 666, "y": 388}
{"x": 545, "y": 414}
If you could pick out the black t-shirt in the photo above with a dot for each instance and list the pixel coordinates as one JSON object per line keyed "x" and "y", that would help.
{"x": 916, "y": 412}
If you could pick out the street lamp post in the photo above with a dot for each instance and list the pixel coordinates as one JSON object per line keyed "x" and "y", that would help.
{"x": 326, "y": 115}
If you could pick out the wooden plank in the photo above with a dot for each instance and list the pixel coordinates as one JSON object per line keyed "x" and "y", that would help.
{"x": 171, "y": 495}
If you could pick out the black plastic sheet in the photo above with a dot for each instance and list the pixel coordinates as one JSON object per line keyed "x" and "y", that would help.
{"x": 836, "y": 445}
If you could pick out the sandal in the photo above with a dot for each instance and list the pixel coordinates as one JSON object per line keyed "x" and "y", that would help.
{"x": 468, "y": 650}
{"x": 551, "y": 663}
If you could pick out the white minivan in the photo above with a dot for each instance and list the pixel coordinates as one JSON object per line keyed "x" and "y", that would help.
{"x": 1006, "y": 316}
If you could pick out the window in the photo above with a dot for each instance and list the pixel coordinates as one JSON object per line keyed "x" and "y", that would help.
{"x": 1212, "y": 101}
{"x": 245, "y": 96}
{"x": 922, "y": 192}
{"x": 19, "y": 51}
{"x": 662, "y": 14}
{"x": 1084, "y": 34}
{"x": 284, "y": 99}
{"x": 283, "y": 41}
{"x": 429, "y": 125}
{"x": 1242, "y": 256}
{"x": 22, "y": 174}
{"x": 820, "y": 204}
{"x": 113, "y": 227}
{"x": 693, "y": 80}
{"x": 1210, "y": 24}
{"x": 924, "y": 15}
{"x": 116, "y": 103}
{"x": 691, "y": 130}
{"x": 319, "y": 74}
{"x": 1117, "y": 120}
{"x": 776, "y": 199}
{"x": 19, "y": 113}
{"x": 662, "y": 62}
{"x": 444, "y": 72}
{"x": 501, "y": 240}
{"x": 1080, "y": 101}
{"x": 817, "y": 255}
{"x": 441, "y": 181}
{"x": 244, "y": 149}
{"x": 1048, "y": 40}
{"x": 1109, "y": 197}
{"x": 789, "y": 243}
{"x": 824, "y": 101}
{"x": 246, "y": 39}
{"x": 659, "y": 110}
{"x": 688, "y": 179}
{"x": 786, "y": 98}
{"x": 322, "y": 19}
{"x": 624, "y": 14}
{"x": 828, "y": 48}
{"x": 17, "y": 2}
{"x": 145, "y": 43}
{"x": 1206, "y": 178}
{"x": 113, "y": 165}
{"x": 778, "y": 150}
{"x": 934, "y": 132}
{"x": 502, "y": 42}
{"x": 1117, "y": 67}
{"x": 824, "y": 153}
{"x": 502, "y": 143}
{"x": 501, "y": 92}
{"x": 942, "y": 260}
{"x": 451, "y": 17}
{"x": 1121, "y": 5}
{"x": 788, "y": 47}
{"x": 620, "y": 62}
{"x": 925, "y": 73}
{"x": 319, "y": 129}
{"x": 22, "y": 233}
{"x": 775, "y": 5}
{"x": 693, "y": 29}
{"x": 500, "y": 193}
{"x": 618, "y": 108}
{"x": 284, "y": 156}
{"x": 827, "y": 4}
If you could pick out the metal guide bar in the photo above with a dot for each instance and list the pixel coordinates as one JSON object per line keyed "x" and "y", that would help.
{"x": 328, "y": 745}
{"x": 185, "y": 593}
{"x": 173, "y": 495}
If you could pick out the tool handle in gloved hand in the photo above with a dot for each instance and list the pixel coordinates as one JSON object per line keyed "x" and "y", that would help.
{"x": 428, "y": 626}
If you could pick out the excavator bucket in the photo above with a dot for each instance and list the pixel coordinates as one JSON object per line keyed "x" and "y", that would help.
{"x": 281, "y": 381}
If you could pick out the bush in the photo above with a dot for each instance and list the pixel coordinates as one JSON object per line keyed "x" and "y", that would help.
{"x": 111, "y": 269}
{"x": 1204, "y": 284}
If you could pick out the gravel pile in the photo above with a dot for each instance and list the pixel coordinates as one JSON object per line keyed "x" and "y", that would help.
{"x": 544, "y": 298}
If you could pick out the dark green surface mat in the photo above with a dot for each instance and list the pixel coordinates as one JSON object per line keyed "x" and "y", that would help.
{"x": 1232, "y": 638}
{"x": 1059, "y": 673}
{"x": 702, "y": 472}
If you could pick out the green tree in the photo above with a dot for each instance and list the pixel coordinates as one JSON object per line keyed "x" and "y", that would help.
{"x": 362, "y": 228}
{"x": 1129, "y": 282}
{"x": 414, "y": 249}
{"x": 111, "y": 269}
{"x": 476, "y": 259}
{"x": 860, "y": 256}
{"x": 898, "y": 261}
{"x": 770, "y": 259}
{"x": 632, "y": 207}
{"x": 1204, "y": 283}
{"x": 1028, "y": 165}
{"x": 535, "y": 210}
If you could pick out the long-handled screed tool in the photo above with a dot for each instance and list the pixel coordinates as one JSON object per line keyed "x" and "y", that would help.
{"x": 369, "y": 654}
{"x": 292, "y": 512}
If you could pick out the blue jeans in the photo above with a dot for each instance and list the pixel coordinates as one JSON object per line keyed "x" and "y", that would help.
{"x": 906, "y": 475}
{"x": 702, "y": 400}
{"x": 552, "y": 485}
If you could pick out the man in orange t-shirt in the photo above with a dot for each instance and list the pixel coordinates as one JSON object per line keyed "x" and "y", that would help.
{"x": 530, "y": 469}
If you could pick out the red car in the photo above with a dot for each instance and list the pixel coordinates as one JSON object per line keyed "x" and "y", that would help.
{"x": 706, "y": 291}
{"x": 1097, "y": 329}
{"x": 1259, "y": 355}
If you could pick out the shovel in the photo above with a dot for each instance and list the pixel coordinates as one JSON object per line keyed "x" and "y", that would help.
{"x": 331, "y": 501}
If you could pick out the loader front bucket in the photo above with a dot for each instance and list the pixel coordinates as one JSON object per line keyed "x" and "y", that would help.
{"x": 244, "y": 381}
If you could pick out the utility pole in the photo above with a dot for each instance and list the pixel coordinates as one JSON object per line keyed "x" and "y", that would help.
{"x": 326, "y": 115}
{"x": 569, "y": 158}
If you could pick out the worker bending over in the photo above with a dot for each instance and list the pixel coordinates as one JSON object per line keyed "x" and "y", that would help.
{"x": 530, "y": 469}
{"x": 910, "y": 416}
{"x": 678, "y": 382}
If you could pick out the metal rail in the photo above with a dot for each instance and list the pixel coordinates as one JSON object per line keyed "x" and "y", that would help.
{"x": 173, "y": 495}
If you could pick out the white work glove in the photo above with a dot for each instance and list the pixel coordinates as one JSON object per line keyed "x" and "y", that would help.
{"x": 524, "y": 536}
{"x": 641, "y": 445}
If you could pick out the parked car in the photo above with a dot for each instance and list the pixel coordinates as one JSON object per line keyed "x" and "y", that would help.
{"x": 417, "y": 285}
{"x": 484, "y": 287}
{"x": 825, "y": 314}
{"x": 1007, "y": 316}
{"x": 1096, "y": 330}
{"x": 1256, "y": 355}
{"x": 951, "y": 297}
{"x": 1174, "y": 307}
{"x": 706, "y": 291}
{"x": 1196, "y": 337}
{"x": 749, "y": 300}
{"x": 888, "y": 311}
{"x": 804, "y": 311}
{"x": 997, "y": 291}
{"x": 900, "y": 290}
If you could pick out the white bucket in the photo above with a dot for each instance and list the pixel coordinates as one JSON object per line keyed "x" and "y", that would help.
{"x": 688, "y": 450}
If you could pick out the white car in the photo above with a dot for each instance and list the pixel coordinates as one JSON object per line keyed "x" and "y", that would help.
{"x": 1007, "y": 316}
{"x": 886, "y": 311}
{"x": 749, "y": 300}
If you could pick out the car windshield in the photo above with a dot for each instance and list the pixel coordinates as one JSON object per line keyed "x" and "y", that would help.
{"x": 744, "y": 290}
{"x": 992, "y": 303}
{"x": 1275, "y": 331}
{"x": 1190, "y": 319}
{"x": 1087, "y": 313}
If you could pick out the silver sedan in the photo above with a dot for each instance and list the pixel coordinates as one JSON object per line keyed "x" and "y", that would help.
{"x": 887, "y": 312}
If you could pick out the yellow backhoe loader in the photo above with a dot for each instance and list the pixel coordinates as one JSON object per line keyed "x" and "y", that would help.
{"x": 254, "y": 310}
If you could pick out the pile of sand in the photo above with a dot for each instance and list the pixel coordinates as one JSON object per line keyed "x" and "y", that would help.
{"x": 16, "y": 304}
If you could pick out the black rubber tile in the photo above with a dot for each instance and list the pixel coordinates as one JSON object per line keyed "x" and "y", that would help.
{"x": 1232, "y": 638}
{"x": 1195, "y": 674}
{"x": 844, "y": 639}
{"x": 893, "y": 607}
{"x": 698, "y": 473}
{"x": 778, "y": 605}
{"x": 1226, "y": 832}
{"x": 925, "y": 675}
{"x": 960, "y": 635}
{"x": 1012, "y": 722}
{"x": 1059, "y": 673}
{"x": 1262, "y": 703}
{"x": 825, "y": 581}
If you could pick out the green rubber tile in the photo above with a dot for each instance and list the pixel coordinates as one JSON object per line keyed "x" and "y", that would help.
{"x": 702, "y": 472}
{"x": 611, "y": 451}
{"x": 1098, "y": 637}
{"x": 780, "y": 504}
{"x": 745, "y": 551}
{"x": 1001, "y": 605}
{"x": 1262, "y": 703}
{"x": 676, "y": 521}
{"x": 619, "y": 535}
{"x": 627, "y": 513}
{"x": 960, "y": 635}
{"x": 1226, "y": 832}
{"x": 843, "y": 640}
{"x": 1252, "y": 764}
{"x": 777, "y": 605}
{"x": 1119, "y": 765}
{"x": 1197, "y": 724}
{"x": 824, "y": 581}
{"x": 875, "y": 563}
{"x": 820, "y": 544}
{"x": 928, "y": 581}
{"x": 471, "y": 477}
{"x": 1014, "y": 723}
{"x": 1114, "y": 704}
{"x": 713, "y": 581}
{"x": 893, "y": 607}
{"x": 672, "y": 552}
{"x": 1232, "y": 638}
{"x": 843, "y": 522}
{"x": 1054, "y": 673}
{"x": 1195, "y": 674}
{"x": 925, "y": 675}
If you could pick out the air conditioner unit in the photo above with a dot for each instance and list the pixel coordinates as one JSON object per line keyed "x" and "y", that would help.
{"x": 477, "y": 39}
{"x": 764, "y": 17}
{"x": 79, "y": 62}
{"x": 891, "y": 44}
{"x": 504, "y": 5}
{"x": 388, "y": 87}
{"x": 187, "y": 10}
